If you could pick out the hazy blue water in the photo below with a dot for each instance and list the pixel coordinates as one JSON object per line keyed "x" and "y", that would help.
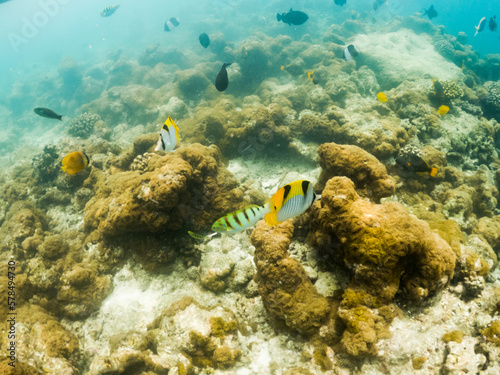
{"x": 76, "y": 29}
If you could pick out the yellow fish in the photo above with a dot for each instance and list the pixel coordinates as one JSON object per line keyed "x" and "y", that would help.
{"x": 381, "y": 97}
{"x": 289, "y": 201}
{"x": 443, "y": 110}
{"x": 310, "y": 75}
{"x": 75, "y": 162}
{"x": 282, "y": 67}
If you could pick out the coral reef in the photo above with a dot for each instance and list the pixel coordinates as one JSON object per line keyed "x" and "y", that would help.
{"x": 188, "y": 188}
{"x": 386, "y": 249}
{"x": 83, "y": 125}
{"x": 492, "y": 99}
{"x": 452, "y": 90}
{"x": 286, "y": 291}
{"x": 45, "y": 165}
{"x": 368, "y": 174}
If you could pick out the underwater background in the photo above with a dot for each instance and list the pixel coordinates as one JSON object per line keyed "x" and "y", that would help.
{"x": 121, "y": 255}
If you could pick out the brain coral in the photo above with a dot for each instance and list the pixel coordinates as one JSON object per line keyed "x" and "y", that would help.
{"x": 369, "y": 175}
{"x": 386, "y": 249}
{"x": 383, "y": 244}
{"x": 187, "y": 188}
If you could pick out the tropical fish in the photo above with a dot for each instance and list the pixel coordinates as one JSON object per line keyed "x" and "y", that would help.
{"x": 350, "y": 52}
{"x": 289, "y": 201}
{"x": 75, "y": 162}
{"x": 414, "y": 163}
{"x": 240, "y": 220}
{"x": 480, "y": 26}
{"x": 108, "y": 11}
{"x": 221, "y": 82}
{"x": 378, "y": 3}
{"x": 204, "y": 40}
{"x": 310, "y": 75}
{"x": 48, "y": 113}
{"x": 169, "y": 136}
{"x": 236, "y": 221}
{"x": 493, "y": 23}
{"x": 443, "y": 110}
{"x": 282, "y": 67}
{"x": 381, "y": 97}
{"x": 171, "y": 24}
{"x": 438, "y": 88}
{"x": 431, "y": 12}
{"x": 293, "y": 17}
{"x": 340, "y": 2}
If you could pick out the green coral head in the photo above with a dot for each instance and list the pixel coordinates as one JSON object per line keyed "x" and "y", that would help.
{"x": 220, "y": 225}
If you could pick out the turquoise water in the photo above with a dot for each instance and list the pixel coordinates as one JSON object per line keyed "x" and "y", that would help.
{"x": 37, "y": 34}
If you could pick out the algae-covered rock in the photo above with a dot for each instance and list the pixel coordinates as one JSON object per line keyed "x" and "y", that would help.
{"x": 368, "y": 174}
{"x": 82, "y": 291}
{"x": 187, "y": 188}
{"x": 489, "y": 228}
{"x": 286, "y": 290}
{"x": 375, "y": 239}
{"x": 386, "y": 249}
{"x": 39, "y": 332}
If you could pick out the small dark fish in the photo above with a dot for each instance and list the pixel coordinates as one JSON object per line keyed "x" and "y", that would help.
{"x": 438, "y": 89}
{"x": 431, "y": 12}
{"x": 48, "y": 113}
{"x": 350, "y": 52}
{"x": 480, "y": 27}
{"x": 293, "y": 17}
{"x": 340, "y": 2}
{"x": 493, "y": 23}
{"x": 204, "y": 40}
{"x": 222, "y": 81}
{"x": 414, "y": 163}
{"x": 171, "y": 24}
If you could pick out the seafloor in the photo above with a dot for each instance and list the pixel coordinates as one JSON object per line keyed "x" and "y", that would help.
{"x": 391, "y": 272}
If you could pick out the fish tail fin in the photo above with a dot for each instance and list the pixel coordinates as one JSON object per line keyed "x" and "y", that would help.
{"x": 278, "y": 17}
{"x": 60, "y": 118}
{"x": 272, "y": 219}
{"x": 264, "y": 210}
{"x": 433, "y": 172}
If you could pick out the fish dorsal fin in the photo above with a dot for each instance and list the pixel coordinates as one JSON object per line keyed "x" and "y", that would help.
{"x": 174, "y": 124}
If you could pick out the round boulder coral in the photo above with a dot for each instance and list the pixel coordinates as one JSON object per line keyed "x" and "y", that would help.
{"x": 369, "y": 175}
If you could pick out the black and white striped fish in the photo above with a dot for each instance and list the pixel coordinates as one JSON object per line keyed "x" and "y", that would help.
{"x": 171, "y": 24}
{"x": 169, "y": 136}
{"x": 108, "y": 11}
